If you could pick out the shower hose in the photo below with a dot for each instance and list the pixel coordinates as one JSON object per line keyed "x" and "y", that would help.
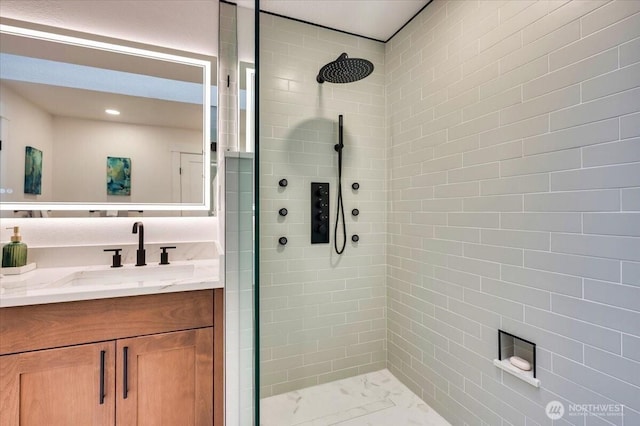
{"x": 339, "y": 203}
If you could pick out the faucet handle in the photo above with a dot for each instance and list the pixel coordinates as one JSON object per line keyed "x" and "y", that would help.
{"x": 117, "y": 258}
{"x": 164, "y": 256}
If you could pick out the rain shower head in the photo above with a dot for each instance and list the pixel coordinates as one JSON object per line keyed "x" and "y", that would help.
{"x": 345, "y": 70}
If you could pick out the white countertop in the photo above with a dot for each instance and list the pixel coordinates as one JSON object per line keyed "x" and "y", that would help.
{"x": 54, "y": 285}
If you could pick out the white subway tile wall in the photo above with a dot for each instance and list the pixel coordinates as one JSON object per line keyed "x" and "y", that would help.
{"x": 322, "y": 316}
{"x": 497, "y": 149}
{"x": 239, "y": 312}
{"x": 524, "y": 215}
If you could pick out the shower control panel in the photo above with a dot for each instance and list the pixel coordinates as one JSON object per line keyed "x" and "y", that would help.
{"x": 319, "y": 213}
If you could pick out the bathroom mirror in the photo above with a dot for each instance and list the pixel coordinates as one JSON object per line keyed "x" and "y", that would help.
{"x": 94, "y": 125}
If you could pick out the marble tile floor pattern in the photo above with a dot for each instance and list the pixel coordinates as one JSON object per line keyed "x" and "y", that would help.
{"x": 372, "y": 399}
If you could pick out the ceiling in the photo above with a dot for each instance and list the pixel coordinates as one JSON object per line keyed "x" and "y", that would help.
{"x": 194, "y": 28}
{"x": 90, "y": 105}
{"x": 377, "y": 19}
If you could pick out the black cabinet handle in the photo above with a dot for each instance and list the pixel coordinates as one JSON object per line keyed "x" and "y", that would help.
{"x": 125, "y": 372}
{"x": 283, "y": 183}
{"x": 355, "y": 186}
{"x": 283, "y": 212}
{"x": 355, "y": 212}
{"x": 355, "y": 238}
{"x": 102, "y": 356}
{"x": 282, "y": 241}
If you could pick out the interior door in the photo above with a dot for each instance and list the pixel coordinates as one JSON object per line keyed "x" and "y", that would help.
{"x": 191, "y": 182}
{"x": 166, "y": 379}
{"x": 59, "y": 387}
{"x": 191, "y": 178}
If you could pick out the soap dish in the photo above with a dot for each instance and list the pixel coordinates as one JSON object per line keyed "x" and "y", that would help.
{"x": 18, "y": 270}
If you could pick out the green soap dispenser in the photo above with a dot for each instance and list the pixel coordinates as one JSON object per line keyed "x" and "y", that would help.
{"x": 14, "y": 254}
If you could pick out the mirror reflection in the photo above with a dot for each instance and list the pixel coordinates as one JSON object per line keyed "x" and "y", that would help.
{"x": 247, "y": 106}
{"x": 100, "y": 126}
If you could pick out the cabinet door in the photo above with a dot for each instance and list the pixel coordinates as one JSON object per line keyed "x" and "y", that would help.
{"x": 166, "y": 379}
{"x": 66, "y": 386}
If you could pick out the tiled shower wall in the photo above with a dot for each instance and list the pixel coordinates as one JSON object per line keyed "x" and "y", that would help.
{"x": 322, "y": 316}
{"x": 239, "y": 314}
{"x": 514, "y": 196}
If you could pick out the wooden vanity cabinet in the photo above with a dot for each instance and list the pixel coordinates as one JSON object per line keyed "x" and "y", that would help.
{"x": 59, "y": 386}
{"x": 142, "y": 360}
{"x": 168, "y": 379}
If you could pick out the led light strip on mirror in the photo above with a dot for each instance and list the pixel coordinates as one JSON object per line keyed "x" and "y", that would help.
{"x": 205, "y": 67}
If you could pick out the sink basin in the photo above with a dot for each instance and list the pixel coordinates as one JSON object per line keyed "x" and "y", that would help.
{"x": 126, "y": 275}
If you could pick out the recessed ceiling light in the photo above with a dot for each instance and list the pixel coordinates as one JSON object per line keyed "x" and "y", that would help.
{"x": 112, "y": 111}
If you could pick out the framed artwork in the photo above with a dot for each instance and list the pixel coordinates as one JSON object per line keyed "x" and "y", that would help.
{"x": 118, "y": 176}
{"x": 32, "y": 171}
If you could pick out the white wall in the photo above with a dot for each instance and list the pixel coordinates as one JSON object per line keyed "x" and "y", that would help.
{"x": 246, "y": 34}
{"x": 24, "y": 124}
{"x": 322, "y": 315}
{"x": 82, "y": 148}
{"x": 75, "y": 152}
{"x": 515, "y": 196}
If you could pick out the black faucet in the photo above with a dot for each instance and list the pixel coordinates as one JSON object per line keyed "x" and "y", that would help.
{"x": 140, "y": 256}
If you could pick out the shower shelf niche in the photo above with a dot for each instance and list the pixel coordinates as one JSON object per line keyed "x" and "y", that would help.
{"x": 509, "y": 346}
{"x": 527, "y": 376}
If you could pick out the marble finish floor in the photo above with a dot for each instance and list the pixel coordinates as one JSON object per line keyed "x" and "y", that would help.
{"x": 373, "y": 399}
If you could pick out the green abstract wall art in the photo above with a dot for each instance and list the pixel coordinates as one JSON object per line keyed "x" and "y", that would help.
{"x": 32, "y": 171}
{"x": 118, "y": 176}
